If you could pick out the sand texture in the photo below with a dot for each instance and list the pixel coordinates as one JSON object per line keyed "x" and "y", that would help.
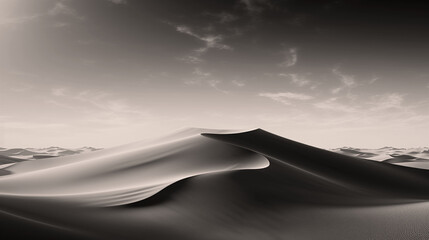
{"x": 216, "y": 184}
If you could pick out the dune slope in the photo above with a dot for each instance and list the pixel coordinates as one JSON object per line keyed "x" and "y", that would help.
{"x": 186, "y": 186}
{"x": 126, "y": 174}
{"x": 358, "y": 175}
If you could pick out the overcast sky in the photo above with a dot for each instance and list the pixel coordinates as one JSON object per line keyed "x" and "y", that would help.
{"x": 109, "y": 72}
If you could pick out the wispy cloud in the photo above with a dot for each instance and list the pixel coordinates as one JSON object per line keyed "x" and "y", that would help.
{"x": 376, "y": 103}
{"x": 254, "y": 7}
{"x": 118, "y": 1}
{"x": 200, "y": 73}
{"x": 373, "y": 80}
{"x": 296, "y": 79}
{"x": 210, "y": 42}
{"x": 291, "y": 58}
{"x": 347, "y": 81}
{"x": 238, "y": 83}
{"x": 285, "y": 97}
{"x": 60, "y": 8}
{"x": 204, "y": 77}
{"x": 192, "y": 59}
{"x": 200, "y": 77}
{"x": 214, "y": 84}
{"x": 386, "y": 101}
{"x": 334, "y": 104}
{"x": 225, "y": 17}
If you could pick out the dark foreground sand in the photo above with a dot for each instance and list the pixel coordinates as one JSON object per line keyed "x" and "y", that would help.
{"x": 205, "y": 184}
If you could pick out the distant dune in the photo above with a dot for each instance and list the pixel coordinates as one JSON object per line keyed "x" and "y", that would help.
{"x": 412, "y": 157}
{"x": 9, "y": 160}
{"x": 217, "y": 184}
{"x": 37, "y": 153}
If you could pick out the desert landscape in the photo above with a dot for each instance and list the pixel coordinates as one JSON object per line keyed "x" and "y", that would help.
{"x": 214, "y": 120}
{"x": 217, "y": 184}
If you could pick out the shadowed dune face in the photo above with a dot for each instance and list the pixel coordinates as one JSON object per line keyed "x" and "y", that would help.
{"x": 367, "y": 178}
{"x": 8, "y": 160}
{"x": 186, "y": 184}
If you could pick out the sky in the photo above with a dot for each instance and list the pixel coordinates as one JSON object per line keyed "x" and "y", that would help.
{"x": 108, "y": 72}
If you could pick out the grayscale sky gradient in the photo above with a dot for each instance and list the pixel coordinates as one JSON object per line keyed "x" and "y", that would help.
{"x": 108, "y": 72}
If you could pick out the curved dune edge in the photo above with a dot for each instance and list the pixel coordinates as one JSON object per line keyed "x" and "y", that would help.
{"x": 339, "y": 174}
{"x": 304, "y": 193}
{"x": 128, "y": 173}
{"x": 137, "y": 171}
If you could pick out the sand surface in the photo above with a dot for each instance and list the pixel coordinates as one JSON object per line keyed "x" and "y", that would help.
{"x": 412, "y": 157}
{"x": 217, "y": 184}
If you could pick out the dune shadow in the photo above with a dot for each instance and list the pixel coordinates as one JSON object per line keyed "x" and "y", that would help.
{"x": 4, "y": 172}
{"x": 165, "y": 195}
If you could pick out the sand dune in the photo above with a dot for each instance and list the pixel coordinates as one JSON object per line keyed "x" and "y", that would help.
{"x": 412, "y": 157}
{"x": 37, "y": 153}
{"x": 214, "y": 184}
{"x": 127, "y": 174}
{"x": 9, "y": 160}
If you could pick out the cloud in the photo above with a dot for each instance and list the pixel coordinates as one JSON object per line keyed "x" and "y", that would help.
{"x": 223, "y": 17}
{"x": 373, "y": 80}
{"x": 60, "y": 8}
{"x": 334, "y": 105}
{"x": 250, "y": 6}
{"x": 296, "y": 79}
{"x": 336, "y": 90}
{"x": 284, "y": 97}
{"x": 347, "y": 81}
{"x": 203, "y": 77}
{"x": 386, "y": 101}
{"x": 191, "y": 59}
{"x": 226, "y": 17}
{"x": 254, "y": 7}
{"x": 201, "y": 73}
{"x": 210, "y": 42}
{"x": 118, "y": 1}
{"x": 214, "y": 83}
{"x": 291, "y": 58}
{"x": 238, "y": 83}
{"x": 376, "y": 103}
{"x": 186, "y": 30}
